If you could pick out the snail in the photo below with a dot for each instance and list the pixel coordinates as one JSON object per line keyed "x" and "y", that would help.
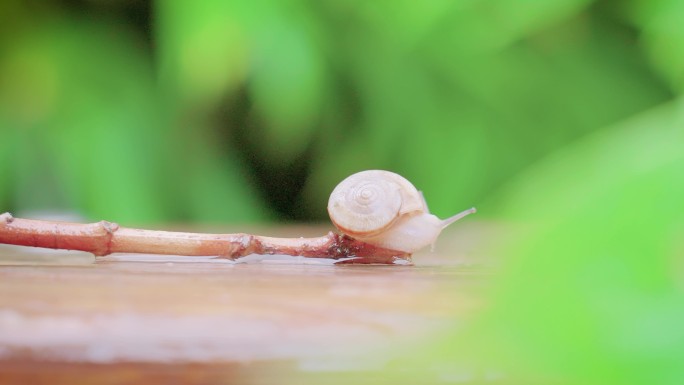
{"x": 384, "y": 209}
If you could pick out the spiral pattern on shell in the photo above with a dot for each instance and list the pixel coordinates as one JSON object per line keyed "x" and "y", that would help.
{"x": 368, "y": 202}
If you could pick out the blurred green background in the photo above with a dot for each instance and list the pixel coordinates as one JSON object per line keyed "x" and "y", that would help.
{"x": 563, "y": 118}
{"x": 248, "y": 111}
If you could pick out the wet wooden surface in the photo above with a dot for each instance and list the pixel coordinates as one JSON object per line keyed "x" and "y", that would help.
{"x": 68, "y": 318}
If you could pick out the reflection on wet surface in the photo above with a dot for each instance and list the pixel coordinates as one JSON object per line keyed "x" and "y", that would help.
{"x": 151, "y": 310}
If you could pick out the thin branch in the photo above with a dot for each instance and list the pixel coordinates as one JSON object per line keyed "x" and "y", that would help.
{"x": 103, "y": 238}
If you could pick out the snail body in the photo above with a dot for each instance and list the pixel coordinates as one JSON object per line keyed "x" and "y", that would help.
{"x": 384, "y": 209}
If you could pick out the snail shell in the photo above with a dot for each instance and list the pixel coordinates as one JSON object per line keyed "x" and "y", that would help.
{"x": 384, "y": 209}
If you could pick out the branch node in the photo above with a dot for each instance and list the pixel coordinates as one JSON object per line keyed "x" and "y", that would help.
{"x": 109, "y": 227}
{"x": 244, "y": 247}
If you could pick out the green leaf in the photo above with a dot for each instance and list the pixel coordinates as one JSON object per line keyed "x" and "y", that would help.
{"x": 590, "y": 291}
{"x": 203, "y": 49}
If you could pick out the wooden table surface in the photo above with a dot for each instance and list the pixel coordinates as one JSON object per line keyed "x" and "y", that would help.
{"x": 68, "y": 318}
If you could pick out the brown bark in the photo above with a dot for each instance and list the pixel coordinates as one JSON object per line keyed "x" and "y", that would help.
{"x": 103, "y": 238}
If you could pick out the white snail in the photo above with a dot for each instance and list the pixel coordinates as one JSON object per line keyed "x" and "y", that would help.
{"x": 384, "y": 209}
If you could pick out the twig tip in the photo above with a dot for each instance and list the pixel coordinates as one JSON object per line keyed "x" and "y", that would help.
{"x": 6, "y": 217}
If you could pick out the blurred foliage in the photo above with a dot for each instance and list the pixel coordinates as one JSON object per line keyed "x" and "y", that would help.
{"x": 591, "y": 288}
{"x": 615, "y": 298}
{"x": 561, "y": 117}
{"x": 238, "y": 111}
